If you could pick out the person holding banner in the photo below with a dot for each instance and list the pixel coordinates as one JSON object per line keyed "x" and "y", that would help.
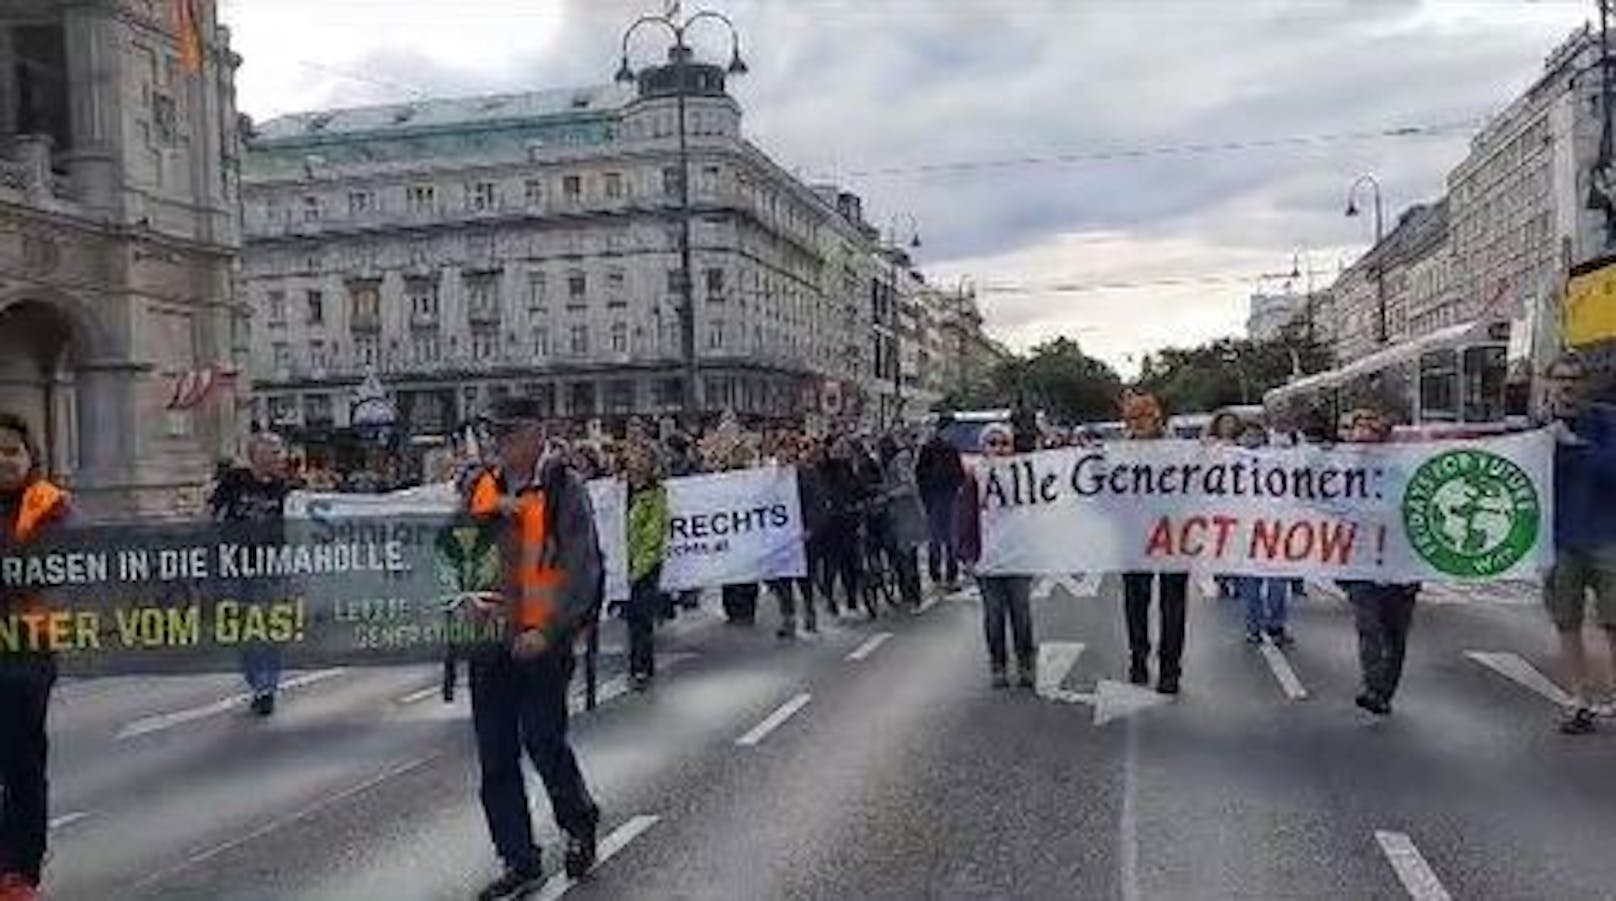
{"x": 1144, "y": 420}
{"x": 553, "y": 578}
{"x": 1003, "y": 597}
{"x": 808, "y": 502}
{"x": 250, "y": 504}
{"x": 845, "y": 494}
{"x": 31, "y": 507}
{"x": 647, "y": 546}
{"x": 1584, "y": 531}
{"x": 1383, "y": 612}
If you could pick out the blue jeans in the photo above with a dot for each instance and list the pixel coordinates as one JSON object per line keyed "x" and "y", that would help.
{"x": 261, "y": 667}
{"x": 1008, "y": 598}
{"x": 1265, "y": 600}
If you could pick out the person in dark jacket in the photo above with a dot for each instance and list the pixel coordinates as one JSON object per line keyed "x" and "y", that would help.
{"x": 250, "y": 503}
{"x": 1584, "y": 532}
{"x": 1145, "y": 420}
{"x": 1003, "y": 597}
{"x": 845, "y": 497}
{"x": 1383, "y": 612}
{"x": 31, "y": 508}
{"x": 939, "y": 473}
{"x": 810, "y": 503}
{"x": 902, "y": 518}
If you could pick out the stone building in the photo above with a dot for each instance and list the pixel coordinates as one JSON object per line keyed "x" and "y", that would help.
{"x": 119, "y": 335}
{"x": 462, "y": 249}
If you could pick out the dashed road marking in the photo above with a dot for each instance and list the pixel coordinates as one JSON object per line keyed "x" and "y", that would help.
{"x": 1418, "y": 879}
{"x": 164, "y": 721}
{"x": 868, "y": 647}
{"x": 560, "y": 883}
{"x": 67, "y": 819}
{"x": 1281, "y": 667}
{"x": 773, "y": 721}
{"x": 1515, "y": 668}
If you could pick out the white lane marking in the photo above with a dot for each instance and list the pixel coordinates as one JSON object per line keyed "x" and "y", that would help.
{"x": 609, "y": 846}
{"x": 868, "y": 647}
{"x": 1416, "y": 875}
{"x": 1516, "y": 669}
{"x": 1280, "y": 665}
{"x": 282, "y": 822}
{"x": 163, "y": 721}
{"x": 1110, "y": 700}
{"x": 1208, "y": 587}
{"x": 929, "y": 602}
{"x": 67, "y": 819}
{"x": 1128, "y": 823}
{"x": 416, "y": 697}
{"x": 774, "y": 720}
{"x": 1055, "y": 662}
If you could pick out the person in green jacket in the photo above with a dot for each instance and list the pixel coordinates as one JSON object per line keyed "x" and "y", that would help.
{"x": 647, "y": 544}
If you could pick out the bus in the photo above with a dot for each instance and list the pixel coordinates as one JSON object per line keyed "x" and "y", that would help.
{"x": 1451, "y": 383}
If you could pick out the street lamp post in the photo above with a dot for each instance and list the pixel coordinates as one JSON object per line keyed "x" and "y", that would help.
{"x": 680, "y": 62}
{"x": 896, "y": 252}
{"x": 1380, "y": 280}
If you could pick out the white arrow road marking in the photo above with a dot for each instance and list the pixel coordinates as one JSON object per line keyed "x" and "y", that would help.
{"x": 1111, "y": 700}
{"x": 608, "y": 848}
{"x": 150, "y": 724}
{"x": 774, "y": 721}
{"x": 1082, "y": 585}
{"x": 1281, "y": 667}
{"x": 1208, "y": 586}
{"x": 1417, "y": 877}
{"x": 67, "y": 819}
{"x": 1516, "y": 669}
{"x": 868, "y": 647}
{"x": 1055, "y": 662}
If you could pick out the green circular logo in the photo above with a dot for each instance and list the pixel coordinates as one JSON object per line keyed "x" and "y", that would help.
{"x": 1471, "y": 513}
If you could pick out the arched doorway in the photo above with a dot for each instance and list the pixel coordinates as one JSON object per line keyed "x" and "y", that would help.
{"x": 41, "y": 347}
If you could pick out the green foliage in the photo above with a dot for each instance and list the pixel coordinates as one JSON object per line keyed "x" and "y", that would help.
{"x": 1225, "y": 372}
{"x": 1055, "y": 377}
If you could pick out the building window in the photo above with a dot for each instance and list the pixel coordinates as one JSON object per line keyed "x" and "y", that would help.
{"x": 281, "y": 355}
{"x": 670, "y": 182}
{"x": 572, "y": 188}
{"x": 277, "y": 307}
{"x": 537, "y": 291}
{"x": 616, "y": 284}
{"x": 577, "y": 290}
{"x": 281, "y": 410}
{"x": 578, "y": 344}
{"x": 715, "y": 335}
{"x": 422, "y": 198}
{"x": 715, "y": 283}
{"x": 360, "y": 202}
{"x": 316, "y": 306}
{"x": 619, "y": 337}
{"x": 480, "y": 196}
{"x": 484, "y": 344}
{"x": 582, "y": 398}
{"x": 311, "y": 208}
{"x": 620, "y": 396}
{"x": 675, "y": 281}
{"x": 426, "y": 348}
{"x": 318, "y": 356}
{"x": 614, "y": 185}
{"x": 533, "y": 191}
{"x": 422, "y": 295}
{"x": 541, "y": 342}
{"x": 366, "y": 350}
{"x": 482, "y": 295}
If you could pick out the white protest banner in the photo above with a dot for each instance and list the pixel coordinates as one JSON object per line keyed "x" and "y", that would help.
{"x": 733, "y": 527}
{"x": 608, "y": 498}
{"x": 1449, "y": 511}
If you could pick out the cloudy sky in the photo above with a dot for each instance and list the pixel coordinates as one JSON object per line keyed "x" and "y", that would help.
{"x": 1055, "y": 152}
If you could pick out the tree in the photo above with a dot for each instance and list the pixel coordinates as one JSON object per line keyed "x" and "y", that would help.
{"x": 1225, "y": 372}
{"x": 1055, "y": 377}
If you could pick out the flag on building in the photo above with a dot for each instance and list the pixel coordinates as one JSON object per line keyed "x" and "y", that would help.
{"x": 188, "y": 32}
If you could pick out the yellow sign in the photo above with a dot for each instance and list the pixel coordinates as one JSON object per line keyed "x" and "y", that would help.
{"x": 1590, "y": 307}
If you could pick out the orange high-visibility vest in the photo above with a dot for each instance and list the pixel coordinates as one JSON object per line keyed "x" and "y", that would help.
{"x": 532, "y": 577}
{"x": 40, "y": 501}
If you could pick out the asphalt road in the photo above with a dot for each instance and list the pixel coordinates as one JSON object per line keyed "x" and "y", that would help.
{"x": 861, "y": 766}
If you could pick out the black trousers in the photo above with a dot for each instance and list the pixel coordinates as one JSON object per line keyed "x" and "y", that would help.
{"x": 1136, "y": 591}
{"x": 645, "y": 600}
{"x": 1383, "y": 616}
{"x": 519, "y": 705}
{"x": 740, "y": 603}
{"x": 844, "y": 559}
{"x": 25, "y": 686}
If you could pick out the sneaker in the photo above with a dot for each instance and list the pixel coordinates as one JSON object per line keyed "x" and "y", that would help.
{"x": 1580, "y": 722}
{"x": 785, "y": 633}
{"x": 1280, "y": 638}
{"x": 1029, "y": 677}
{"x": 263, "y": 704}
{"x": 811, "y": 628}
{"x": 515, "y": 883}
{"x": 1253, "y": 638}
{"x": 639, "y": 682}
{"x": 17, "y": 887}
{"x": 1167, "y": 685}
{"x": 1139, "y": 673}
{"x": 580, "y": 857}
{"x": 1377, "y": 706}
{"x": 1000, "y": 680}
